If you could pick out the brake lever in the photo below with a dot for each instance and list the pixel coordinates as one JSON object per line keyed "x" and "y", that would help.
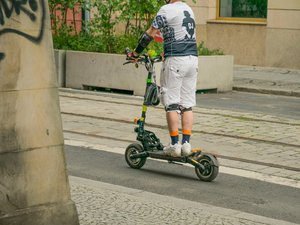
{"x": 136, "y": 63}
{"x": 158, "y": 59}
{"x": 126, "y": 63}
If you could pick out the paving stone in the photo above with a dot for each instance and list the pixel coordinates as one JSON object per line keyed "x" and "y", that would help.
{"x": 116, "y": 113}
{"x": 100, "y": 203}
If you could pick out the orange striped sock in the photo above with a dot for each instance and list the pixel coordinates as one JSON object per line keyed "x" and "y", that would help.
{"x": 174, "y": 137}
{"x": 186, "y": 135}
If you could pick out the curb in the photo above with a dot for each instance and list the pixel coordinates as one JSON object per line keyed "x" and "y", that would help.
{"x": 267, "y": 91}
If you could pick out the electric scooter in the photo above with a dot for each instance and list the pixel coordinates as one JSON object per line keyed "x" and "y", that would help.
{"x": 148, "y": 144}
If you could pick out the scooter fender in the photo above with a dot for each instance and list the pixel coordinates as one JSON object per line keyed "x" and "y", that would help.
{"x": 213, "y": 158}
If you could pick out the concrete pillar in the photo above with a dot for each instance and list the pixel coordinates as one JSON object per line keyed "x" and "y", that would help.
{"x": 34, "y": 188}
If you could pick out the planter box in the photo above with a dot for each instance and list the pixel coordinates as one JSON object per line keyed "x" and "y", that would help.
{"x": 215, "y": 72}
{"x": 60, "y": 61}
{"x": 86, "y": 69}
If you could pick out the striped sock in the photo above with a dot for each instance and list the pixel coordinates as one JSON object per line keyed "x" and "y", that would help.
{"x": 174, "y": 137}
{"x": 186, "y": 135}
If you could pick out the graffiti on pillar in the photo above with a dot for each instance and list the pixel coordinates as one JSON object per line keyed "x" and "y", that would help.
{"x": 2, "y": 55}
{"x": 33, "y": 11}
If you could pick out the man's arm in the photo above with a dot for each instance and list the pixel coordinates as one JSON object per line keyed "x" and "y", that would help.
{"x": 145, "y": 40}
{"x": 152, "y": 31}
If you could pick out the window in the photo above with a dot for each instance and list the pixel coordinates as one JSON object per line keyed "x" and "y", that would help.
{"x": 244, "y": 10}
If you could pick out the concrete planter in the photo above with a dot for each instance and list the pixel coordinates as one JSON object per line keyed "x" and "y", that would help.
{"x": 215, "y": 72}
{"x": 87, "y": 69}
{"x": 60, "y": 61}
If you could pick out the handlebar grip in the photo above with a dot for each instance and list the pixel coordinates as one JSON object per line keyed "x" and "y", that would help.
{"x": 158, "y": 59}
{"x": 127, "y": 51}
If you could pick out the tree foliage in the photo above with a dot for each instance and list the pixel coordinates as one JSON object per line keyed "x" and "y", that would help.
{"x": 132, "y": 17}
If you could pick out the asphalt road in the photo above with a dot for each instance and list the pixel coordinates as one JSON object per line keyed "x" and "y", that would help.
{"x": 276, "y": 105}
{"x": 227, "y": 191}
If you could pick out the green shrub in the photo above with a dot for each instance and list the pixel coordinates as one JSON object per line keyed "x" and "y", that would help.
{"x": 91, "y": 43}
{"x": 80, "y": 42}
{"x": 202, "y": 50}
{"x": 124, "y": 41}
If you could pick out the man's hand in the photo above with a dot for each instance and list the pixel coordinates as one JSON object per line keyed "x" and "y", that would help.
{"x": 132, "y": 56}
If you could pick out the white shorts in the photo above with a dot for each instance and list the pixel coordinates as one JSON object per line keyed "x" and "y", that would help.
{"x": 178, "y": 81}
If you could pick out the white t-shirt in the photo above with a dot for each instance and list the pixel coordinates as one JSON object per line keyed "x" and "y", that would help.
{"x": 176, "y": 22}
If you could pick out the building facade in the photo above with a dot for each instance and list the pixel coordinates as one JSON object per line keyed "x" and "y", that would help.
{"x": 256, "y": 32}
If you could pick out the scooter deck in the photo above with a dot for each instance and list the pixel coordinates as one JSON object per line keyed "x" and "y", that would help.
{"x": 162, "y": 155}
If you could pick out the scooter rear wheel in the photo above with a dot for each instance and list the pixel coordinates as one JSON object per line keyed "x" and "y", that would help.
{"x": 211, "y": 167}
{"x": 134, "y": 149}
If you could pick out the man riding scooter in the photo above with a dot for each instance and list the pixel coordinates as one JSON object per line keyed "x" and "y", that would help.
{"x": 176, "y": 22}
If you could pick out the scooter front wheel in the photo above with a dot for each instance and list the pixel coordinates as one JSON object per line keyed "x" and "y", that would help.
{"x": 211, "y": 167}
{"x": 131, "y": 150}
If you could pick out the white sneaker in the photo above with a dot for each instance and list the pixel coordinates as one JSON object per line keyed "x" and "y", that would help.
{"x": 186, "y": 149}
{"x": 173, "y": 150}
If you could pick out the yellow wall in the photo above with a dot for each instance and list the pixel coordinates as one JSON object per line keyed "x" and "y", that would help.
{"x": 245, "y": 42}
{"x": 273, "y": 43}
{"x": 283, "y": 34}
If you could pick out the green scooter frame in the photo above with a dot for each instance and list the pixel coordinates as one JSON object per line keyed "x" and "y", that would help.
{"x": 148, "y": 144}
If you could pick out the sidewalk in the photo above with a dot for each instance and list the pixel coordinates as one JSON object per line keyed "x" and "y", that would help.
{"x": 259, "y": 146}
{"x": 266, "y": 80}
{"x": 101, "y": 203}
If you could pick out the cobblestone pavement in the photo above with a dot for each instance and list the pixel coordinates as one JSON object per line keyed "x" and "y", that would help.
{"x": 253, "y": 145}
{"x": 100, "y": 203}
{"x": 264, "y": 143}
{"x": 249, "y": 142}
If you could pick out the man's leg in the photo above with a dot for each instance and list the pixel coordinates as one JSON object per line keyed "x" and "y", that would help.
{"x": 187, "y": 123}
{"x": 171, "y": 81}
{"x": 173, "y": 120}
{"x": 188, "y": 100}
{"x": 174, "y": 148}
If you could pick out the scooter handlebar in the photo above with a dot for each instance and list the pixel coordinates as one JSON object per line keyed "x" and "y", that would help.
{"x": 127, "y": 50}
{"x": 126, "y": 63}
{"x": 140, "y": 59}
{"x": 157, "y": 59}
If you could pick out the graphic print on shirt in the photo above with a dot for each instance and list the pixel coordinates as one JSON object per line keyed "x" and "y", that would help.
{"x": 177, "y": 25}
{"x": 188, "y": 26}
{"x": 160, "y": 22}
